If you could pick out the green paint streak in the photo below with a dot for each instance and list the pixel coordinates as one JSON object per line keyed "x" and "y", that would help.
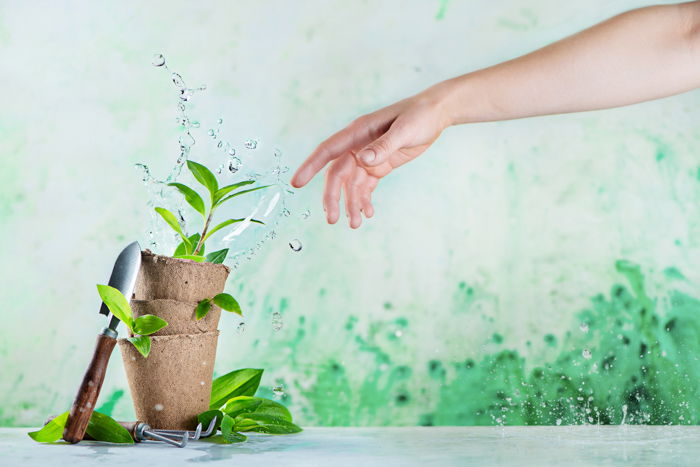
{"x": 674, "y": 273}
{"x": 622, "y": 359}
{"x": 442, "y": 9}
{"x": 108, "y": 406}
{"x": 630, "y": 356}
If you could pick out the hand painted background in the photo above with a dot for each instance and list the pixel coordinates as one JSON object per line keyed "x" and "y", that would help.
{"x": 535, "y": 271}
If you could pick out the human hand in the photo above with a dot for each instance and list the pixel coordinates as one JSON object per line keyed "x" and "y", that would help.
{"x": 370, "y": 148}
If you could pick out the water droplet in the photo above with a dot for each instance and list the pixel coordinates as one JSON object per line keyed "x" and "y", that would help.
{"x": 181, "y": 106}
{"x": 145, "y": 171}
{"x": 220, "y": 121}
{"x": 178, "y": 81}
{"x": 185, "y": 94}
{"x": 295, "y": 245}
{"x": 234, "y": 164}
{"x": 231, "y": 152}
{"x": 211, "y": 133}
{"x": 186, "y": 140}
{"x": 278, "y": 391}
{"x": 277, "y": 153}
{"x": 306, "y": 214}
{"x": 277, "y": 321}
{"x": 251, "y": 144}
{"x": 158, "y": 60}
{"x": 194, "y": 124}
{"x": 241, "y": 328}
{"x": 285, "y": 212}
{"x": 558, "y": 421}
{"x": 584, "y": 327}
{"x": 220, "y": 145}
{"x": 158, "y": 407}
{"x": 586, "y": 354}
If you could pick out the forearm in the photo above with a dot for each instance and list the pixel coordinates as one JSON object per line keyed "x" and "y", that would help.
{"x": 637, "y": 56}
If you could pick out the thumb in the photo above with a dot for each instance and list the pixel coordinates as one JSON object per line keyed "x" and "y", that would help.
{"x": 379, "y": 150}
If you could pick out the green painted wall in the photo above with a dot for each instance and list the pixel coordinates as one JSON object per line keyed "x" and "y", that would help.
{"x": 539, "y": 271}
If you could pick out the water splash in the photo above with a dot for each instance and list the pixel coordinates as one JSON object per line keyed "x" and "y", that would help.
{"x": 269, "y": 172}
{"x": 277, "y": 322}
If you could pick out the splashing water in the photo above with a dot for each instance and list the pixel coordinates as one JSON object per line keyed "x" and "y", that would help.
{"x": 278, "y": 391}
{"x": 277, "y": 322}
{"x": 272, "y": 201}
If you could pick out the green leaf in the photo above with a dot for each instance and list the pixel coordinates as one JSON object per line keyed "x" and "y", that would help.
{"x": 182, "y": 248}
{"x": 142, "y": 344}
{"x": 238, "y": 193}
{"x": 205, "y": 418}
{"x": 170, "y": 218}
{"x": 148, "y": 324}
{"x": 117, "y": 304}
{"x": 243, "y": 382}
{"x": 197, "y": 258}
{"x": 192, "y": 197}
{"x": 204, "y": 176}
{"x": 104, "y": 428}
{"x": 228, "y": 433}
{"x": 227, "y": 302}
{"x": 52, "y": 431}
{"x": 226, "y": 224}
{"x": 229, "y": 188}
{"x": 244, "y": 404}
{"x": 203, "y": 308}
{"x": 263, "y": 423}
{"x": 217, "y": 257}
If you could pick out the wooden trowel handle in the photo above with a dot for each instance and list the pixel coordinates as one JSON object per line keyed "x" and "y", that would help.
{"x": 86, "y": 398}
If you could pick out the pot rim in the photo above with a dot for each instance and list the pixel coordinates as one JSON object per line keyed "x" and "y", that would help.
{"x": 169, "y": 259}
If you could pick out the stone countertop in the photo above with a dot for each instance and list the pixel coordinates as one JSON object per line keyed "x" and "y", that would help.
{"x": 424, "y": 446}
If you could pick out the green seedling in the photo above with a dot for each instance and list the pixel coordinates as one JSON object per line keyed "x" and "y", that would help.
{"x": 237, "y": 410}
{"x": 101, "y": 427}
{"x": 222, "y": 300}
{"x": 192, "y": 247}
{"x": 142, "y": 327}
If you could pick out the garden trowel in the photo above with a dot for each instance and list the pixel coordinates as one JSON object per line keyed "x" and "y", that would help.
{"x": 123, "y": 278}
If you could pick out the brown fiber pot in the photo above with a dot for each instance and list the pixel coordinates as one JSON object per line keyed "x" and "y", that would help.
{"x": 173, "y": 385}
{"x": 180, "y": 316}
{"x": 183, "y": 280}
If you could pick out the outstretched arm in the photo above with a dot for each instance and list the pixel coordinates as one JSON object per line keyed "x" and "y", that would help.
{"x": 637, "y": 56}
{"x": 640, "y": 55}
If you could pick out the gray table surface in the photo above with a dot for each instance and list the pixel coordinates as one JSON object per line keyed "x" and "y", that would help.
{"x": 424, "y": 446}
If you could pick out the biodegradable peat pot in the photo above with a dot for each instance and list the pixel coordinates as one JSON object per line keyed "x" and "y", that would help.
{"x": 181, "y": 316}
{"x": 183, "y": 280}
{"x": 173, "y": 385}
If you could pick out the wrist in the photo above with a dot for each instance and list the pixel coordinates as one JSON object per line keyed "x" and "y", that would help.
{"x": 461, "y": 101}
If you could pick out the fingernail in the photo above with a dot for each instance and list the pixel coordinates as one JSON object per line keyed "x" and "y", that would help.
{"x": 367, "y": 155}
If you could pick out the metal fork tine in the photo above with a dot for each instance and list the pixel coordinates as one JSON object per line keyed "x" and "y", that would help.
{"x": 181, "y": 444}
{"x": 210, "y": 428}
{"x": 193, "y": 436}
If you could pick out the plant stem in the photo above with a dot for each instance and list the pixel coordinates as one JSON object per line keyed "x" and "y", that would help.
{"x": 204, "y": 234}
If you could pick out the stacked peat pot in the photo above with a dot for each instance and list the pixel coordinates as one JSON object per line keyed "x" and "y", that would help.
{"x": 173, "y": 385}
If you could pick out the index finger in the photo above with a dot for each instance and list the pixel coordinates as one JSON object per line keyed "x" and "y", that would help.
{"x": 354, "y": 135}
